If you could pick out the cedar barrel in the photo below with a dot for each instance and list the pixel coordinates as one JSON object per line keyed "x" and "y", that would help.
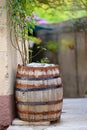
{"x": 39, "y": 93}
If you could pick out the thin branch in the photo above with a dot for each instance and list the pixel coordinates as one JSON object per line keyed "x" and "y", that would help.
{"x": 18, "y": 46}
{"x": 84, "y": 3}
{"x": 37, "y": 53}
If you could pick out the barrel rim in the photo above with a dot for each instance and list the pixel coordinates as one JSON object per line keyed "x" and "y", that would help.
{"x": 38, "y": 67}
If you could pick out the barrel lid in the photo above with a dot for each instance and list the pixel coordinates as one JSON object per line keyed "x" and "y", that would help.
{"x": 33, "y": 64}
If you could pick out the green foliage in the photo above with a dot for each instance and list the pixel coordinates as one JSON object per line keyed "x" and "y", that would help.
{"x": 34, "y": 39}
{"x": 48, "y": 9}
{"x": 17, "y": 10}
{"x": 41, "y": 49}
{"x": 67, "y": 43}
{"x": 44, "y": 60}
{"x": 52, "y": 10}
{"x": 51, "y": 46}
{"x": 51, "y": 15}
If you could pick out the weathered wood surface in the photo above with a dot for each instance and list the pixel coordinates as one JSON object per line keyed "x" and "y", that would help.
{"x": 73, "y": 62}
{"x": 39, "y": 93}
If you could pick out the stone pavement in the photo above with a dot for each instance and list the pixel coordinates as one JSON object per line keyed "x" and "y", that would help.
{"x": 74, "y": 117}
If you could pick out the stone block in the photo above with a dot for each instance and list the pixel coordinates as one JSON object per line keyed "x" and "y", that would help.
{"x": 3, "y": 12}
{"x": 3, "y": 73}
{"x": 3, "y": 17}
{"x": 8, "y": 67}
{"x": 3, "y": 38}
{"x": 2, "y": 3}
{"x": 26, "y": 123}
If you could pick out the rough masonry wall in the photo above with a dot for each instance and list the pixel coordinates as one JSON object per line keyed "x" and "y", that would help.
{"x": 8, "y": 65}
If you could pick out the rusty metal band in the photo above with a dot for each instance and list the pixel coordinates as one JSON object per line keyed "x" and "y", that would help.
{"x": 38, "y": 89}
{"x": 39, "y": 103}
{"x": 40, "y": 113}
{"x": 48, "y": 78}
{"x": 21, "y": 67}
{"x": 37, "y": 120}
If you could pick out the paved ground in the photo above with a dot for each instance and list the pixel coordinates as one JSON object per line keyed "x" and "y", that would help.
{"x": 74, "y": 117}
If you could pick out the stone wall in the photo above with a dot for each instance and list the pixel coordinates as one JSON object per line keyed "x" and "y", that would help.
{"x": 8, "y": 66}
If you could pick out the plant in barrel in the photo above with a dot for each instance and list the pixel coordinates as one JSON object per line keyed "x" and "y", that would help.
{"x": 39, "y": 91}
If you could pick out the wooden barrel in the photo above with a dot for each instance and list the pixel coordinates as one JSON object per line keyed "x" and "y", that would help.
{"x": 39, "y": 93}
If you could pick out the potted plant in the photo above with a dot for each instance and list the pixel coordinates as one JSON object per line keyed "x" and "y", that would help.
{"x": 39, "y": 91}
